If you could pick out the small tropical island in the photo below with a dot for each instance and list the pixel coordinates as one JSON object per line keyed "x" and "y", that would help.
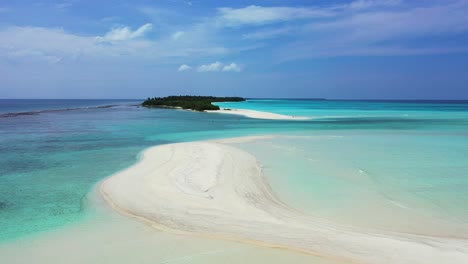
{"x": 196, "y": 103}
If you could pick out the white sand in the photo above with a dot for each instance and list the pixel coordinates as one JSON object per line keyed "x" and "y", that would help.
{"x": 110, "y": 238}
{"x": 257, "y": 114}
{"x": 215, "y": 190}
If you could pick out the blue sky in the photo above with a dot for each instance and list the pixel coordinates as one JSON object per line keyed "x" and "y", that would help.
{"x": 360, "y": 49}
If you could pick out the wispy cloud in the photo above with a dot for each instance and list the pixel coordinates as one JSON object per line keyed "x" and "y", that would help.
{"x": 363, "y": 4}
{"x": 232, "y": 67}
{"x": 325, "y": 30}
{"x": 41, "y": 44}
{"x": 389, "y": 24}
{"x": 276, "y": 34}
{"x": 125, "y": 33}
{"x": 27, "y": 44}
{"x": 219, "y": 67}
{"x": 184, "y": 67}
{"x": 258, "y": 15}
{"x": 177, "y": 35}
{"x": 381, "y": 31}
{"x": 213, "y": 67}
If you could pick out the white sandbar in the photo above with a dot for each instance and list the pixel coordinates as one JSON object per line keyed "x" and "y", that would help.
{"x": 257, "y": 114}
{"x": 215, "y": 190}
{"x": 110, "y": 238}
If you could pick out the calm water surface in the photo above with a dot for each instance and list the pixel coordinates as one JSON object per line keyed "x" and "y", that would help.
{"x": 411, "y": 154}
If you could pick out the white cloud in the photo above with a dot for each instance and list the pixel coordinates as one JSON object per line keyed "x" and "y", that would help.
{"x": 31, "y": 54}
{"x": 177, "y": 35}
{"x": 42, "y": 44}
{"x": 382, "y": 30}
{"x": 125, "y": 33}
{"x": 257, "y": 15}
{"x": 34, "y": 44}
{"x": 213, "y": 67}
{"x": 362, "y": 4}
{"x": 30, "y": 44}
{"x": 218, "y": 66}
{"x": 364, "y": 27}
{"x": 371, "y": 27}
{"x": 63, "y": 5}
{"x": 232, "y": 67}
{"x": 184, "y": 67}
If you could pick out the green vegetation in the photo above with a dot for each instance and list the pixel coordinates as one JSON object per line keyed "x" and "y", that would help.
{"x": 197, "y": 103}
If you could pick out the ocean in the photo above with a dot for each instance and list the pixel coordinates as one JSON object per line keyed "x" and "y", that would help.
{"x": 399, "y": 166}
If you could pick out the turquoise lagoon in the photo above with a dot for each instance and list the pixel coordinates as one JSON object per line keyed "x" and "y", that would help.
{"x": 393, "y": 165}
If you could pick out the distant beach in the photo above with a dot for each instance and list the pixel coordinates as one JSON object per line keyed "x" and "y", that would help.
{"x": 258, "y": 114}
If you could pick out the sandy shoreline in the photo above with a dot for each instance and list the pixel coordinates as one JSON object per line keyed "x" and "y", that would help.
{"x": 257, "y": 114}
{"x": 108, "y": 237}
{"x": 215, "y": 190}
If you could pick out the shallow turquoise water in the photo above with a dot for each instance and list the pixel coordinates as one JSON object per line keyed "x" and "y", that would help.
{"x": 410, "y": 153}
{"x": 356, "y": 109}
{"x": 403, "y": 181}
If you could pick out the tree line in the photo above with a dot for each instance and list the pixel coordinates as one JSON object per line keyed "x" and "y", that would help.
{"x": 197, "y": 103}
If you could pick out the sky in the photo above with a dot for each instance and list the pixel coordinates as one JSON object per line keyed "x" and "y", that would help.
{"x": 354, "y": 49}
